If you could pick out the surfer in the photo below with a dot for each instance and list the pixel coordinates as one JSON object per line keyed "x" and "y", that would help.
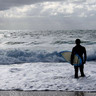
{"x": 81, "y": 51}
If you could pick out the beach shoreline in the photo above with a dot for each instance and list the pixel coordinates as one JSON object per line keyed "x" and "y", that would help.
{"x": 47, "y": 93}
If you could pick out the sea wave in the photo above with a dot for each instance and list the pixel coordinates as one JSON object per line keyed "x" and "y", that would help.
{"x": 18, "y": 56}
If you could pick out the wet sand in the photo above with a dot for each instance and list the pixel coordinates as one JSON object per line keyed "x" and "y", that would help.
{"x": 46, "y": 93}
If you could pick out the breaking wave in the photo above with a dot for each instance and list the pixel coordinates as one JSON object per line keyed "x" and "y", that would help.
{"x": 17, "y": 56}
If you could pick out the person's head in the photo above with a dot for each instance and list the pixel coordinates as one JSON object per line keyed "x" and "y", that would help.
{"x": 77, "y": 41}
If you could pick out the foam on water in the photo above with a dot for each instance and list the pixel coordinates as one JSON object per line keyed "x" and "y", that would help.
{"x": 43, "y": 46}
{"x": 46, "y": 76}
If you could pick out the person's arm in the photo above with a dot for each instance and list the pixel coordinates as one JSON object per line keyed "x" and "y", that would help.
{"x": 85, "y": 56}
{"x": 72, "y": 56}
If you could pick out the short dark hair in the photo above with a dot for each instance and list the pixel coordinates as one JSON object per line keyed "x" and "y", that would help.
{"x": 77, "y": 41}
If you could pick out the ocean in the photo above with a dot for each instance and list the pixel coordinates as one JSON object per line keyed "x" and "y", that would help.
{"x": 30, "y": 60}
{"x": 26, "y": 46}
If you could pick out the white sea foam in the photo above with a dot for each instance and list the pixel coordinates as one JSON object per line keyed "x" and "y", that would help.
{"x": 46, "y": 76}
{"x": 22, "y": 51}
{"x": 43, "y": 46}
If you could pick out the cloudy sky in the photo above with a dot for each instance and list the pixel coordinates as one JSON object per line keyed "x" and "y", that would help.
{"x": 47, "y": 14}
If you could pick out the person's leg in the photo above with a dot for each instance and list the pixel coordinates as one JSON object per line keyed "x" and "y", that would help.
{"x": 82, "y": 70}
{"x": 76, "y": 71}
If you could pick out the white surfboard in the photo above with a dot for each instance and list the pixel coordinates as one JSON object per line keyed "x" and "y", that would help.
{"x": 67, "y": 56}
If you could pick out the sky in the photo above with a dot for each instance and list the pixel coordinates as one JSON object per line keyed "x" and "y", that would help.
{"x": 47, "y": 14}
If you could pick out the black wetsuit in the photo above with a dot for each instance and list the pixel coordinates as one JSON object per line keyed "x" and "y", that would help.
{"x": 81, "y": 51}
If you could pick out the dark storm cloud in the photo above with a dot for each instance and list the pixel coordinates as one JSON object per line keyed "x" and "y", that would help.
{"x": 6, "y": 4}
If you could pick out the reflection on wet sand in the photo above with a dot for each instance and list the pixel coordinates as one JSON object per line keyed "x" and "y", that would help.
{"x": 79, "y": 93}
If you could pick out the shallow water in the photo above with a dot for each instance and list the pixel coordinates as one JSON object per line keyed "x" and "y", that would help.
{"x": 46, "y": 76}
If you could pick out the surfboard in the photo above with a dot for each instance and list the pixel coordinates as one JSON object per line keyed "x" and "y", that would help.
{"x": 67, "y": 56}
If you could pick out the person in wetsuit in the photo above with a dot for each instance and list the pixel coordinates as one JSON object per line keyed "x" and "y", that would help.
{"x": 81, "y": 51}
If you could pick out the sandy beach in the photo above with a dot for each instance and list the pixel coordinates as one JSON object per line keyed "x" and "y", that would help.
{"x": 46, "y": 93}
